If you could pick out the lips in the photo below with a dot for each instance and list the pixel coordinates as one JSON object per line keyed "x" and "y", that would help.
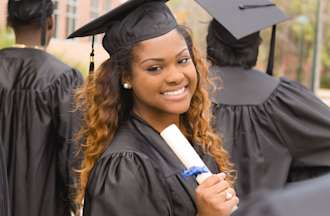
{"x": 175, "y": 92}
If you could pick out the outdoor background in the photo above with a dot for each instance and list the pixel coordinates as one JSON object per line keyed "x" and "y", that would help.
{"x": 302, "y": 49}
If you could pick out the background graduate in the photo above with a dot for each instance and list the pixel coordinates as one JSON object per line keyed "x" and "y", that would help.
{"x": 4, "y": 188}
{"x": 153, "y": 78}
{"x": 275, "y": 130}
{"x": 307, "y": 198}
{"x": 36, "y": 119}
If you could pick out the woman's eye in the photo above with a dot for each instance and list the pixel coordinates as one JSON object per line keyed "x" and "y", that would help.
{"x": 154, "y": 69}
{"x": 184, "y": 60}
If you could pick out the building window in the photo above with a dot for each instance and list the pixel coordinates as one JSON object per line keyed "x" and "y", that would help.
{"x": 56, "y": 18}
{"x": 71, "y": 16}
{"x": 94, "y": 9}
{"x": 94, "y": 13}
{"x": 107, "y": 5}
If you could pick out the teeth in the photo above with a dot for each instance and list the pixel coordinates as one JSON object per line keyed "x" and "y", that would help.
{"x": 173, "y": 93}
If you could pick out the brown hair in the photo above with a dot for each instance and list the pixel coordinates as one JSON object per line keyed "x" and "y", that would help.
{"x": 105, "y": 104}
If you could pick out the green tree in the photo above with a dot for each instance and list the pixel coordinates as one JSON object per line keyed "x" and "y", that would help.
{"x": 7, "y": 38}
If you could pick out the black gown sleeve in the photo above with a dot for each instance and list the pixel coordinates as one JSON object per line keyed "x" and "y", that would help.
{"x": 303, "y": 121}
{"x": 126, "y": 184}
{"x": 67, "y": 123}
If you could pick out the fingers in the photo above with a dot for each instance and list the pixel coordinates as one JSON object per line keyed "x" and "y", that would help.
{"x": 215, "y": 187}
{"x": 212, "y": 180}
{"x": 215, "y": 196}
{"x": 232, "y": 203}
{"x": 219, "y": 187}
{"x": 229, "y": 194}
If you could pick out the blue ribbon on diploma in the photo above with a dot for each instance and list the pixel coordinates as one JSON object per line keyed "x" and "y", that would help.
{"x": 194, "y": 171}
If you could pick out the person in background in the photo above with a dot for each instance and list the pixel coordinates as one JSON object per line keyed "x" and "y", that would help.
{"x": 276, "y": 131}
{"x": 36, "y": 119}
{"x": 153, "y": 78}
{"x": 310, "y": 197}
{"x": 4, "y": 194}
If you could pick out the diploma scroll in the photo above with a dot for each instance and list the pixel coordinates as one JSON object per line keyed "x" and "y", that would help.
{"x": 184, "y": 151}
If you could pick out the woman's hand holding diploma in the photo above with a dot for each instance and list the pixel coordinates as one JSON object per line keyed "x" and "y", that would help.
{"x": 213, "y": 195}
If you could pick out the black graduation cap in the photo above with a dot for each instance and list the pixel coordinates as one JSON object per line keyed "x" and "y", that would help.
{"x": 129, "y": 23}
{"x": 26, "y": 11}
{"x": 244, "y": 17}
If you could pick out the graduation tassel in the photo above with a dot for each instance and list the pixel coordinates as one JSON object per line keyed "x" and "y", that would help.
{"x": 91, "y": 62}
{"x": 252, "y": 6}
{"x": 271, "y": 56}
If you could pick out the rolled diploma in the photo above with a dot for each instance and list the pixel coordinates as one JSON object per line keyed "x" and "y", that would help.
{"x": 183, "y": 150}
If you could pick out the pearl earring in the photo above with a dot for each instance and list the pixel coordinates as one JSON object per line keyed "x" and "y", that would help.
{"x": 127, "y": 86}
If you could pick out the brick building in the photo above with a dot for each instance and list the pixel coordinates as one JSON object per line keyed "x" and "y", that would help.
{"x": 70, "y": 15}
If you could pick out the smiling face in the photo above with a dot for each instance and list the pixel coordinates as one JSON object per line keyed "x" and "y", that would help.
{"x": 163, "y": 78}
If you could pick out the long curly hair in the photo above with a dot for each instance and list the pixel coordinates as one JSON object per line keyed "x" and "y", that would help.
{"x": 105, "y": 104}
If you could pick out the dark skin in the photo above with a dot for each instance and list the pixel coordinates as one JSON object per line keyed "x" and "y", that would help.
{"x": 211, "y": 197}
{"x": 30, "y": 35}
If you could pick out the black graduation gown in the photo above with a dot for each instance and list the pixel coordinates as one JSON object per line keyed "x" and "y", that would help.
{"x": 304, "y": 199}
{"x": 4, "y": 190}
{"x": 275, "y": 130}
{"x": 36, "y": 127}
{"x": 139, "y": 175}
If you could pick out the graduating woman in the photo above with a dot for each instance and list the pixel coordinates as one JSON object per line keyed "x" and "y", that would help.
{"x": 153, "y": 78}
{"x": 275, "y": 130}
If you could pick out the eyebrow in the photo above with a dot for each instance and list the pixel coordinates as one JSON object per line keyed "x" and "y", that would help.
{"x": 160, "y": 59}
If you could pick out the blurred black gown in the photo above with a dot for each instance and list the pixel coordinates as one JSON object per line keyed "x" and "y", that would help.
{"x": 36, "y": 127}
{"x": 139, "y": 175}
{"x": 275, "y": 130}
{"x": 4, "y": 190}
{"x": 307, "y": 198}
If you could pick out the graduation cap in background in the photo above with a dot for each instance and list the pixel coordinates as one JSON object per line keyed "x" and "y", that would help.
{"x": 129, "y": 23}
{"x": 240, "y": 19}
{"x": 23, "y": 12}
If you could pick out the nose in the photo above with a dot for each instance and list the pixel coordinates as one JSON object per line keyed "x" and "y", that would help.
{"x": 175, "y": 75}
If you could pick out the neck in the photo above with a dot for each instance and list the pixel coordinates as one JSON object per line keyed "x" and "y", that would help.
{"x": 28, "y": 38}
{"x": 157, "y": 121}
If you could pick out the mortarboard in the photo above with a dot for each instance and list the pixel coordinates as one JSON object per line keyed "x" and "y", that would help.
{"x": 24, "y": 12}
{"x": 241, "y": 18}
{"x": 129, "y": 23}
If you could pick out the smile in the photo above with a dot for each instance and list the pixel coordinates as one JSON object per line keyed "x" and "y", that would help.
{"x": 176, "y": 92}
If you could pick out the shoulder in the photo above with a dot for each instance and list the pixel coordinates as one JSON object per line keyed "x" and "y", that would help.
{"x": 127, "y": 149}
{"x": 132, "y": 181}
{"x": 120, "y": 170}
{"x": 293, "y": 90}
{"x": 129, "y": 139}
{"x": 239, "y": 86}
{"x": 59, "y": 72}
{"x": 36, "y": 70}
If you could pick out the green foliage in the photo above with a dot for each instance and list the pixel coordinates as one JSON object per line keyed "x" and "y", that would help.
{"x": 295, "y": 31}
{"x": 7, "y": 38}
{"x": 325, "y": 80}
